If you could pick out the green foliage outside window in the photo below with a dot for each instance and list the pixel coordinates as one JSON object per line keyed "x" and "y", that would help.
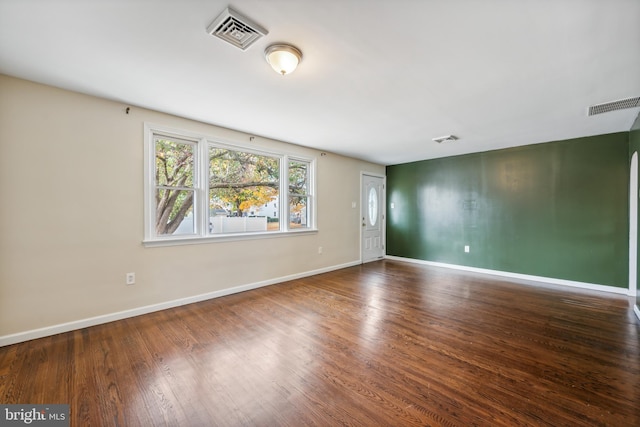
{"x": 238, "y": 181}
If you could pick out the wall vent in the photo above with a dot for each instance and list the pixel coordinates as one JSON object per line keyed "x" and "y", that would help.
{"x": 236, "y": 29}
{"x": 614, "y": 105}
{"x": 446, "y": 138}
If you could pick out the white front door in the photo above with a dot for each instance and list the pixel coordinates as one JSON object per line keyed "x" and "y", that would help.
{"x": 372, "y": 216}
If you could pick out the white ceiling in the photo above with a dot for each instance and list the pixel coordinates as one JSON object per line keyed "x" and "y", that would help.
{"x": 379, "y": 78}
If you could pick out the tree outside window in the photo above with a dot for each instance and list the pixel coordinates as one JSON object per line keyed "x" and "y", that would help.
{"x": 230, "y": 188}
{"x": 175, "y": 191}
{"x": 298, "y": 194}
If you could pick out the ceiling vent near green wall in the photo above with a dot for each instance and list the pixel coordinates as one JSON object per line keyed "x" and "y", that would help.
{"x": 446, "y": 138}
{"x": 236, "y": 29}
{"x": 614, "y": 105}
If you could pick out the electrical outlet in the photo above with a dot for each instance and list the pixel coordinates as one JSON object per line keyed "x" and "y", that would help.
{"x": 319, "y": 249}
{"x": 466, "y": 248}
{"x": 131, "y": 278}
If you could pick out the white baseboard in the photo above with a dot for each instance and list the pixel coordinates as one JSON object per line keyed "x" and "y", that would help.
{"x": 97, "y": 320}
{"x": 525, "y": 278}
{"x": 637, "y": 311}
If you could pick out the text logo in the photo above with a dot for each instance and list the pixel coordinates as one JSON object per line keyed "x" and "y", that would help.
{"x": 34, "y": 415}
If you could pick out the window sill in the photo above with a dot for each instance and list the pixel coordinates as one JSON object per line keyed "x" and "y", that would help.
{"x": 198, "y": 240}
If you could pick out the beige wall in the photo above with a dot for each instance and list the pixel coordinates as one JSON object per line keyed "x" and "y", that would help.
{"x": 71, "y": 214}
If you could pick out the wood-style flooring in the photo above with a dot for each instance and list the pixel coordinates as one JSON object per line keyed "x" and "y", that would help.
{"x": 382, "y": 344}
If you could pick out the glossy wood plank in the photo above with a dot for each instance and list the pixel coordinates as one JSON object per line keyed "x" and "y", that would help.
{"x": 387, "y": 343}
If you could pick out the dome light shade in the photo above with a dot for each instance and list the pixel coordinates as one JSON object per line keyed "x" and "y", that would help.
{"x": 283, "y": 58}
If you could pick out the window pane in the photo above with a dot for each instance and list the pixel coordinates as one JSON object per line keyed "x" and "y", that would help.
{"x": 373, "y": 206}
{"x": 298, "y": 194}
{"x": 174, "y": 212}
{"x": 241, "y": 188}
{"x": 298, "y": 177}
{"x": 174, "y": 163}
{"x": 298, "y": 215}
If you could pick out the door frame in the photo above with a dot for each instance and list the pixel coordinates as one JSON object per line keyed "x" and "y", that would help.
{"x": 383, "y": 202}
{"x": 633, "y": 225}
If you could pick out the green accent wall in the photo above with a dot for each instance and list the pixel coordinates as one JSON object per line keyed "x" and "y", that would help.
{"x": 557, "y": 210}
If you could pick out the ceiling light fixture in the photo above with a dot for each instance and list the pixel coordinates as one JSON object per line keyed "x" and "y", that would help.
{"x": 283, "y": 58}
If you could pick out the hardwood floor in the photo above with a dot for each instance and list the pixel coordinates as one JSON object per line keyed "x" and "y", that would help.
{"x": 383, "y": 344}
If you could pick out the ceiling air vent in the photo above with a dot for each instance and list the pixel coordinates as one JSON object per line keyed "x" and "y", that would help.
{"x": 445, "y": 138}
{"x": 236, "y": 29}
{"x": 614, "y": 105}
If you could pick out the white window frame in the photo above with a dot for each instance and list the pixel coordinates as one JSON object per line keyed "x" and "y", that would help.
{"x": 201, "y": 184}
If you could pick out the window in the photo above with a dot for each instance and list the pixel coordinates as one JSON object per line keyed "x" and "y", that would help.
{"x": 240, "y": 181}
{"x": 298, "y": 194}
{"x": 199, "y": 188}
{"x": 174, "y": 185}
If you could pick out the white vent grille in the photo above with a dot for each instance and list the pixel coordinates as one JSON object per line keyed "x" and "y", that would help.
{"x": 445, "y": 138}
{"x": 614, "y": 105}
{"x": 236, "y": 29}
